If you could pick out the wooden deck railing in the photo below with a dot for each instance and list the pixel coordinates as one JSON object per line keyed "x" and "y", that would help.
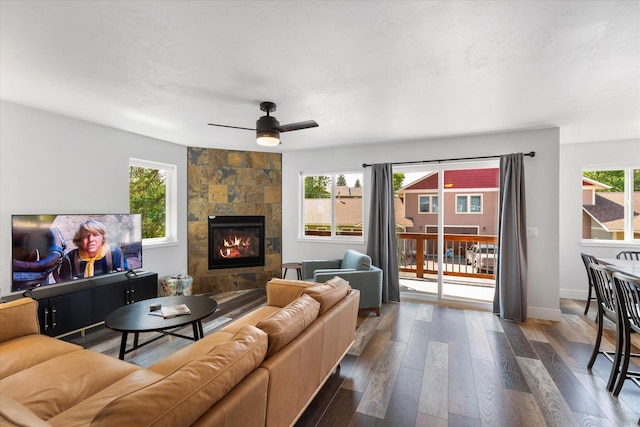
{"x": 418, "y": 253}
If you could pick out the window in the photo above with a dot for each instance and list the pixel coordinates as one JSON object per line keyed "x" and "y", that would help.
{"x": 428, "y": 204}
{"x": 152, "y": 193}
{"x": 332, "y": 206}
{"x": 610, "y": 199}
{"x": 469, "y": 203}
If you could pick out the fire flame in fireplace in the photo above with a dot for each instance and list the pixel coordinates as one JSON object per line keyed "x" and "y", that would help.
{"x": 235, "y": 247}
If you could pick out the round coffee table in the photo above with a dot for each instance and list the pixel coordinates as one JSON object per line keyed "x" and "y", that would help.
{"x": 135, "y": 318}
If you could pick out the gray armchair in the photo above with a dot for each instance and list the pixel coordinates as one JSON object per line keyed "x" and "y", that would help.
{"x": 356, "y": 268}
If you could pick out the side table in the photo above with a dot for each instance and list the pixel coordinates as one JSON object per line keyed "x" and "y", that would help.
{"x": 292, "y": 265}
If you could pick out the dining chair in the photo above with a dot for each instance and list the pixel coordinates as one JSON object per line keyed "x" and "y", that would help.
{"x": 602, "y": 284}
{"x": 629, "y": 255}
{"x": 628, "y": 300}
{"x": 587, "y": 259}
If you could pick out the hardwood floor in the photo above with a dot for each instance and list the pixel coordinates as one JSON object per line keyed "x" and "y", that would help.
{"x": 427, "y": 365}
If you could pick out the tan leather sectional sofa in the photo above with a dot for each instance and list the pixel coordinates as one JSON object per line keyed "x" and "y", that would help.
{"x": 260, "y": 370}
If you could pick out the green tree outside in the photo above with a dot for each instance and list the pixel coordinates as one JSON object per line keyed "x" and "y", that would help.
{"x": 398, "y": 179}
{"x": 341, "y": 180}
{"x": 147, "y": 196}
{"x": 615, "y": 179}
{"x": 315, "y": 187}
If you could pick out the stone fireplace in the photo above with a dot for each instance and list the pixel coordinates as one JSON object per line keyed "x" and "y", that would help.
{"x": 236, "y": 241}
{"x": 228, "y": 183}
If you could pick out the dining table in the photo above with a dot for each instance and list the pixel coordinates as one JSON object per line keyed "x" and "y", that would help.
{"x": 629, "y": 267}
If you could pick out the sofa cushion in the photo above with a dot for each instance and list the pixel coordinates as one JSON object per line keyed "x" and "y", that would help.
{"x": 14, "y": 414}
{"x": 193, "y": 351}
{"x": 184, "y": 395}
{"x": 18, "y": 318}
{"x": 356, "y": 260}
{"x": 281, "y": 292}
{"x": 14, "y": 358}
{"x": 58, "y": 384}
{"x": 328, "y": 293}
{"x": 287, "y": 323}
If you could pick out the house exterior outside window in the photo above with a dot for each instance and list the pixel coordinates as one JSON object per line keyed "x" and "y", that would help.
{"x": 332, "y": 206}
{"x": 428, "y": 204}
{"x": 469, "y": 203}
{"x": 610, "y": 204}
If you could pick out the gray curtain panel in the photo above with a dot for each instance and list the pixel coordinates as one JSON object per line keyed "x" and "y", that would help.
{"x": 510, "y": 299}
{"x": 382, "y": 241}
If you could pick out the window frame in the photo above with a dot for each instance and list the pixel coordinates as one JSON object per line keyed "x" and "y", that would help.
{"x": 468, "y": 203}
{"x": 333, "y": 237}
{"x": 171, "y": 206}
{"x": 431, "y": 198}
{"x": 628, "y": 207}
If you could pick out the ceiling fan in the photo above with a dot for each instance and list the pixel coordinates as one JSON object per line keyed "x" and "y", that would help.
{"x": 268, "y": 128}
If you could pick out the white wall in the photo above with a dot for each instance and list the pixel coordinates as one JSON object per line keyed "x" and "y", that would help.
{"x": 574, "y": 158}
{"x": 542, "y": 173}
{"x": 52, "y": 164}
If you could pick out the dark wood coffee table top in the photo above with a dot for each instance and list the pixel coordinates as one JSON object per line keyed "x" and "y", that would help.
{"x": 136, "y": 318}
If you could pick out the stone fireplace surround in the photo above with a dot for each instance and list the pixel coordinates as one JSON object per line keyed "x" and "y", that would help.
{"x": 227, "y": 182}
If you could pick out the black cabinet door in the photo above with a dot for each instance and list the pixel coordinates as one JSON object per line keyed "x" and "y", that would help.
{"x": 143, "y": 287}
{"x": 109, "y": 298}
{"x": 65, "y": 313}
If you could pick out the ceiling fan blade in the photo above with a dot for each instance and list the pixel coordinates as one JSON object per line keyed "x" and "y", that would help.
{"x": 232, "y": 127}
{"x": 297, "y": 126}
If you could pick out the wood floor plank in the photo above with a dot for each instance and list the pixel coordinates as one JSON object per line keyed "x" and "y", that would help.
{"x": 531, "y": 330}
{"x": 569, "y": 386}
{"x": 404, "y": 323}
{"x": 339, "y": 411}
{"x": 462, "y": 392}
{"x": 490, "y": 394}
{"x": 462, "y": 421}
{"x": 525, "y": 408}
{"x": 363, "y": 334}
{"x": 575, "y": 354}
{"x": 477, "y": 336}
{"x": 376, "y": 397}
{"x": 402, "y": 409}
{"x": 424, "y": 420}
{"x": 416, "y": 352}
{"x": 425, "y": 312}
{"x": 456, "y": 326}
{"x": 362, "y": 370}
{"x": 435, "y": 380}
{"x": 506, "y": 363}
{"x": 617, "y": 412}
{"x": 327, "y": 408}
{"x": 575, "y": 328}
{"x": 439, "y": 325}
{"x": 518, "y": 340}
{"x": 554, "y": 408}
{"x": 390, "y": 318}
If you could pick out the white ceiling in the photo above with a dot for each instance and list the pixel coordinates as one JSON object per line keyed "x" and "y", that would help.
{"x": 366, "y": 71}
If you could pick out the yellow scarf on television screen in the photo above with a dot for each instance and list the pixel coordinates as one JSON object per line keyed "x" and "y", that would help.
{"x": 89, "y": 270}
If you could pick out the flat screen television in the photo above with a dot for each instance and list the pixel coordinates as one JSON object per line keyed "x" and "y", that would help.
{"x": 50, "y": 249}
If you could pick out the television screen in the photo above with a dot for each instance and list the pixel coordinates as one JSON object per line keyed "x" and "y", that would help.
{"x": 50, "y": 249}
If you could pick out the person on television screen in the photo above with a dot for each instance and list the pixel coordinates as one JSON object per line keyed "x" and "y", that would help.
{"x": 93, "y": 255}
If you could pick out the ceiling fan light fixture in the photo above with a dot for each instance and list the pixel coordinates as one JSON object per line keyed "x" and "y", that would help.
{"x": 268, "y": 138}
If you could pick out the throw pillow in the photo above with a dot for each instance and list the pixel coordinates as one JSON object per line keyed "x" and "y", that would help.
{"x": 329, "y": 293}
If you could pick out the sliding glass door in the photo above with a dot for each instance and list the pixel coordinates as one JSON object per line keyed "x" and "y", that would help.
{"x": 447, "y": 232}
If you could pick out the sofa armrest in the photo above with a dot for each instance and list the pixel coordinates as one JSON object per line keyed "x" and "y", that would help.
{"x": 309, "y": 266}
{"x": 369, "y": 283}
{"x": 18, "y": 318}
{"x": 323, "y": 273}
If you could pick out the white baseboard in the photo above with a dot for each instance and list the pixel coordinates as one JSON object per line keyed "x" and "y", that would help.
{"x": 574, "y": 294}
{"x": 552, "y": 314}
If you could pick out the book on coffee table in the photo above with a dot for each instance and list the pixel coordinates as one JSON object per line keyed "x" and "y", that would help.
{"x": 171, "y": 311}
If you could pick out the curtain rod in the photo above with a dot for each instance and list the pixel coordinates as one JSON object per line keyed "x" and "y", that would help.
{"x": 530, "y": 154}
